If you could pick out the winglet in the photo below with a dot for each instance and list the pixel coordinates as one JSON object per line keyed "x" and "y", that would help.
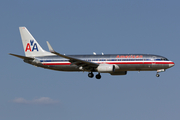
{"x": 50, "y": 48}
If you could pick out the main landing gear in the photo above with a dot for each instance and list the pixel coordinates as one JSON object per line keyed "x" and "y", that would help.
{"x": 98, "y": 76}
{"x": 91, "y": 75}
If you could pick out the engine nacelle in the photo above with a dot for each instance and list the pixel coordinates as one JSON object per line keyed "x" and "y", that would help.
{"x": 105, "y": 68}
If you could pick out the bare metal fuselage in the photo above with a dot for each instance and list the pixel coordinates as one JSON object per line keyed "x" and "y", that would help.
{"x": 130, "y": 62}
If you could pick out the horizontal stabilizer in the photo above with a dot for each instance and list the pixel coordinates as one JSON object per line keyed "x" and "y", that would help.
{"x": 22, "y": 57}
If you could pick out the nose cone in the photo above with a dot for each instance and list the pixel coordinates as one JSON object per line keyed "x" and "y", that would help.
{"x": 171, "y": 64}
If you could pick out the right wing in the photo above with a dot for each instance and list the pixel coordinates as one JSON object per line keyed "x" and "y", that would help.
{"x": 90, "y": 66}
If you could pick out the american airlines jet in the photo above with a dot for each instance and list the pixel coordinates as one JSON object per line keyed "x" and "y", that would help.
{"x": 114, "y": 64}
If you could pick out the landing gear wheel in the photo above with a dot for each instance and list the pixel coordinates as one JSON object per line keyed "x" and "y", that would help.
{"x": 91, "y": 75}
{"x": 98, "y": 76}
{"x": 157, "y": 75}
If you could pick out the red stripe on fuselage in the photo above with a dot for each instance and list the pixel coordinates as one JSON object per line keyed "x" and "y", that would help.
{"x": 124, "y": 62}
{"x": 56, "y": 63}
{"x": 139, "y": 63}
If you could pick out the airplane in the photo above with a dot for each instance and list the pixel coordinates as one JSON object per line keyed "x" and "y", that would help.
{"x": 114, "y": 64}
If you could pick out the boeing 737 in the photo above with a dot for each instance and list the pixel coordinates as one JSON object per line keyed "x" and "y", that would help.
{"x": 114, "y": 64}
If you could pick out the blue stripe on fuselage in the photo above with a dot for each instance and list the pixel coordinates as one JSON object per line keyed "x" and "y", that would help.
{"x": 123, "y": 59}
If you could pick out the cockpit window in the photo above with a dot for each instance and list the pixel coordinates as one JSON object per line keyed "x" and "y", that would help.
{"x": 164, "y": 59}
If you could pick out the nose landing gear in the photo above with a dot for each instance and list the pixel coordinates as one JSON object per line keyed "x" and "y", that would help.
{"x": 157, "y": 75}
{"x": 161, "y": 70}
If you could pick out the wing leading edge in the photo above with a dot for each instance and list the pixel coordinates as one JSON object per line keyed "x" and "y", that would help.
{"x": 85, "y": 65}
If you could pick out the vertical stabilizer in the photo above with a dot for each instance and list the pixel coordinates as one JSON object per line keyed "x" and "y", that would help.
{"x": 31, "y": 46}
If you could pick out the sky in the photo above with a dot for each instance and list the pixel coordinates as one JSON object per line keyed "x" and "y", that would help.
{"x": 84, "y": 27}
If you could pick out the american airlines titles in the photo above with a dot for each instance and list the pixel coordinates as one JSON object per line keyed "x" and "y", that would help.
{"x": 129, "y": 56}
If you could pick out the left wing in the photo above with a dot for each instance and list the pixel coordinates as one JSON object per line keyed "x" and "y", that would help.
{"x": 81, "y": 63}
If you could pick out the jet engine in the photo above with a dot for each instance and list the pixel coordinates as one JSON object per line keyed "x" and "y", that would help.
{"x": 105, "y": 68}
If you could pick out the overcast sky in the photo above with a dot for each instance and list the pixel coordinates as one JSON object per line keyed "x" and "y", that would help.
{"x": 84, "y": 27}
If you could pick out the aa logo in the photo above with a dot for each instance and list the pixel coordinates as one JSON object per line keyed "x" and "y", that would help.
{"x": 31, "y": 46}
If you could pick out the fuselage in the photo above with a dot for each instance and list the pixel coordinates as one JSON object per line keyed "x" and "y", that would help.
{"x": 122, "y": 62}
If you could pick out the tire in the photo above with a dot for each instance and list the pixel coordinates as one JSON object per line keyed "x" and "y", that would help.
{"x": 157, "y": 75}
{"x": 91, "y": 75}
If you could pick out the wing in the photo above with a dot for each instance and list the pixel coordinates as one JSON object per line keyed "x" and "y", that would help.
{"x": 86, "y": 65}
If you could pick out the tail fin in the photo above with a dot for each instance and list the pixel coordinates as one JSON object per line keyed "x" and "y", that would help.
{"x": 31, "y": 46}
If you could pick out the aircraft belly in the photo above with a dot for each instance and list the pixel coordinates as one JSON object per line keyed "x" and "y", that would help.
{"x": 68, "y": 68}
{"x": 60, "y": 67}
{"x": 134, "y": 67}
{"x": 160, "y": 66}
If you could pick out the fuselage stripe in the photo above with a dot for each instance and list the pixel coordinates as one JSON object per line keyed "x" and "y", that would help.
{"x": 122, "y": 62}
